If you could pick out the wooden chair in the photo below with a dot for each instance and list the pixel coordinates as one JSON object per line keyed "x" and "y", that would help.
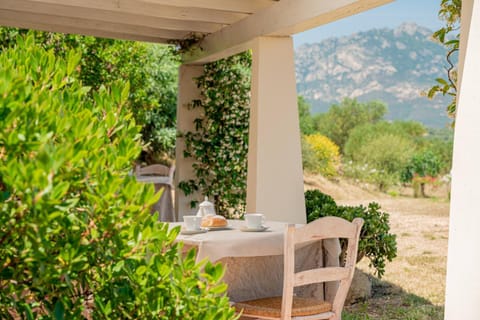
{"x": 157, "y": 170}
{"x": 165, "y": 204}
{"x": 290, "y": 307}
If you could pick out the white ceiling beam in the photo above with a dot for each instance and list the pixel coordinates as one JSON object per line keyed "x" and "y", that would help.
{"x": 108, "y": 16}
{"x": 80, "y": 31}
{"x": 154, "y": 10}
{"x": 91, "y": 25}
{"x": 284, "y": 18}
{"x": 245, "y": 6}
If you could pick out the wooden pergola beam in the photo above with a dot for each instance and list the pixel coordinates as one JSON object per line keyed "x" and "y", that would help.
{"x": 284, "y": 18}
{"x": 80, "y": 31}
{"x": 84, "y": 26}
{"x": 244, "y": 6}
{"x": 154, "y": 9}
{"x": 39, "y": 8}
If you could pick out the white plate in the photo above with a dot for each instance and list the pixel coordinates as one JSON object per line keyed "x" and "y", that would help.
{"x": 188, "y": 232}
{"x": 227, "y": 227}
{"x": 259, "y": 229}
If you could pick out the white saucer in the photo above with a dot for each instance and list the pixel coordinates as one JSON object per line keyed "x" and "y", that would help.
{"x": 187, "y": 232}
{"x": 227, "y": 227}
{"x": 259, "y": 229}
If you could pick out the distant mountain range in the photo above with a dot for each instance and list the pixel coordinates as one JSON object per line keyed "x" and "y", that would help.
{"x": 391, "y": 65}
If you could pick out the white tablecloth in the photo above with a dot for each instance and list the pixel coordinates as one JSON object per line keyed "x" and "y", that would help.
{"x": 153, "y": 179}
{"x": 218, "y": 244}
{"x": 254, "y": 260}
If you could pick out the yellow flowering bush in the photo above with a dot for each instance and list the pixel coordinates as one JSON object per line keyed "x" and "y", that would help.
{"x": 321, "y": 155}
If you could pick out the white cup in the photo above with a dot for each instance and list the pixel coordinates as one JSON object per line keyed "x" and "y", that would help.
{"x": 192, "y": 223}
{"x": 254, "y": 220}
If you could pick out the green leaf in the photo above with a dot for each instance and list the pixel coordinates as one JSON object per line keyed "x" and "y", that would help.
{"x": 73, "y": 61}
{"x": 442, "y": 81}
{"x": 59, "y": 311}
{"x": 60, "y": 190}
{"x": 141, "y": 270}
{"x": 125, "y": 92}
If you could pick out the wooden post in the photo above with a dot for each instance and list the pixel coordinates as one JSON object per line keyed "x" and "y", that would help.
{"x": 275, "y": 177}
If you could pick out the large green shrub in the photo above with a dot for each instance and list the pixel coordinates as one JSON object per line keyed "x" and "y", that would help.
{"x": 219, "y": 146}
{"x": 376, "y": 242}
{"x": 364, "y": 134}
{"x": 76, "y": 236}
{"x": 151, "y": 70}
{"x": 316, "y": 202}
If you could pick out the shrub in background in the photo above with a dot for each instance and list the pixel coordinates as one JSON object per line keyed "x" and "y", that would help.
{"x": 76, "y": 237}
{"x": 364, "y": 134}
{"x": 440, "y": 143}
{"x": 341, "y": 119}
{"x": 370, "y": 174}
{"x": 376, "y": 242}
{"x": 321, "y": 155}
{"x": 159, "y": 121}
{"x": 385, "y": 155}
{"x": 161, "y": 146}
{"x": 423, "y": 168}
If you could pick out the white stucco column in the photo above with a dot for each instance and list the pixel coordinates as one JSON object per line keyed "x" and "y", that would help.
{"x": 187, "y": 91}
{"x": 463, "y": 266}
{"x": 275, "y": 177}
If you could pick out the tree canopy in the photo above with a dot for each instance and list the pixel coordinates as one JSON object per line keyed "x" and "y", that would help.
{"x": 307, "y": 125}
{"x": 340, "y": 119}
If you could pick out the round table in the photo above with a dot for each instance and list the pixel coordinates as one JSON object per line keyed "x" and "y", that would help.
{"x": 254, "y": 260}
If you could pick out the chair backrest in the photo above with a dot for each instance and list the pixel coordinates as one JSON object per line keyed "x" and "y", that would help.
{"x": 157, "y": 170}
{"x": 323, "y": 228}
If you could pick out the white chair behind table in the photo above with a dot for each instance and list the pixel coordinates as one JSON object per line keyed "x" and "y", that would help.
{"x": 165, "y": 205}
{"x": 291, "y": 307}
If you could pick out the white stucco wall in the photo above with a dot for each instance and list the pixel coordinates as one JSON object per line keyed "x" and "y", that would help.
{"x": 463, "y": 266}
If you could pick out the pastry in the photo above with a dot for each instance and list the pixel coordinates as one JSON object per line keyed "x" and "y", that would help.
{"x": 214, "y": 221}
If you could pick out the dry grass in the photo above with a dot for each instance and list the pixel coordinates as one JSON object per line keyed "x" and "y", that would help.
{"x": 413, "y": 286}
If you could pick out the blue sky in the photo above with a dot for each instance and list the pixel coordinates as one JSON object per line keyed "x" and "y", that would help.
{"x": 422, "y": 12}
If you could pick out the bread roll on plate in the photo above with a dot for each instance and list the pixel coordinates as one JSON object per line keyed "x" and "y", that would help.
{"x": 214, "y": 221}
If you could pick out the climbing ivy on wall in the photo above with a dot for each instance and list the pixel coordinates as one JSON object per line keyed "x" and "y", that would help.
{"x": 219, "y": 145}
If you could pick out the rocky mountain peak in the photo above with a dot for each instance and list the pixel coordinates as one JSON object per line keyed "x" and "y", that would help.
{"x": 411, "y": 28}
{"x": 391, "y": 65}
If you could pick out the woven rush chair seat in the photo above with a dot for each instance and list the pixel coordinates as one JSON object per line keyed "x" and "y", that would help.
{"x": 271, "y": 307}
